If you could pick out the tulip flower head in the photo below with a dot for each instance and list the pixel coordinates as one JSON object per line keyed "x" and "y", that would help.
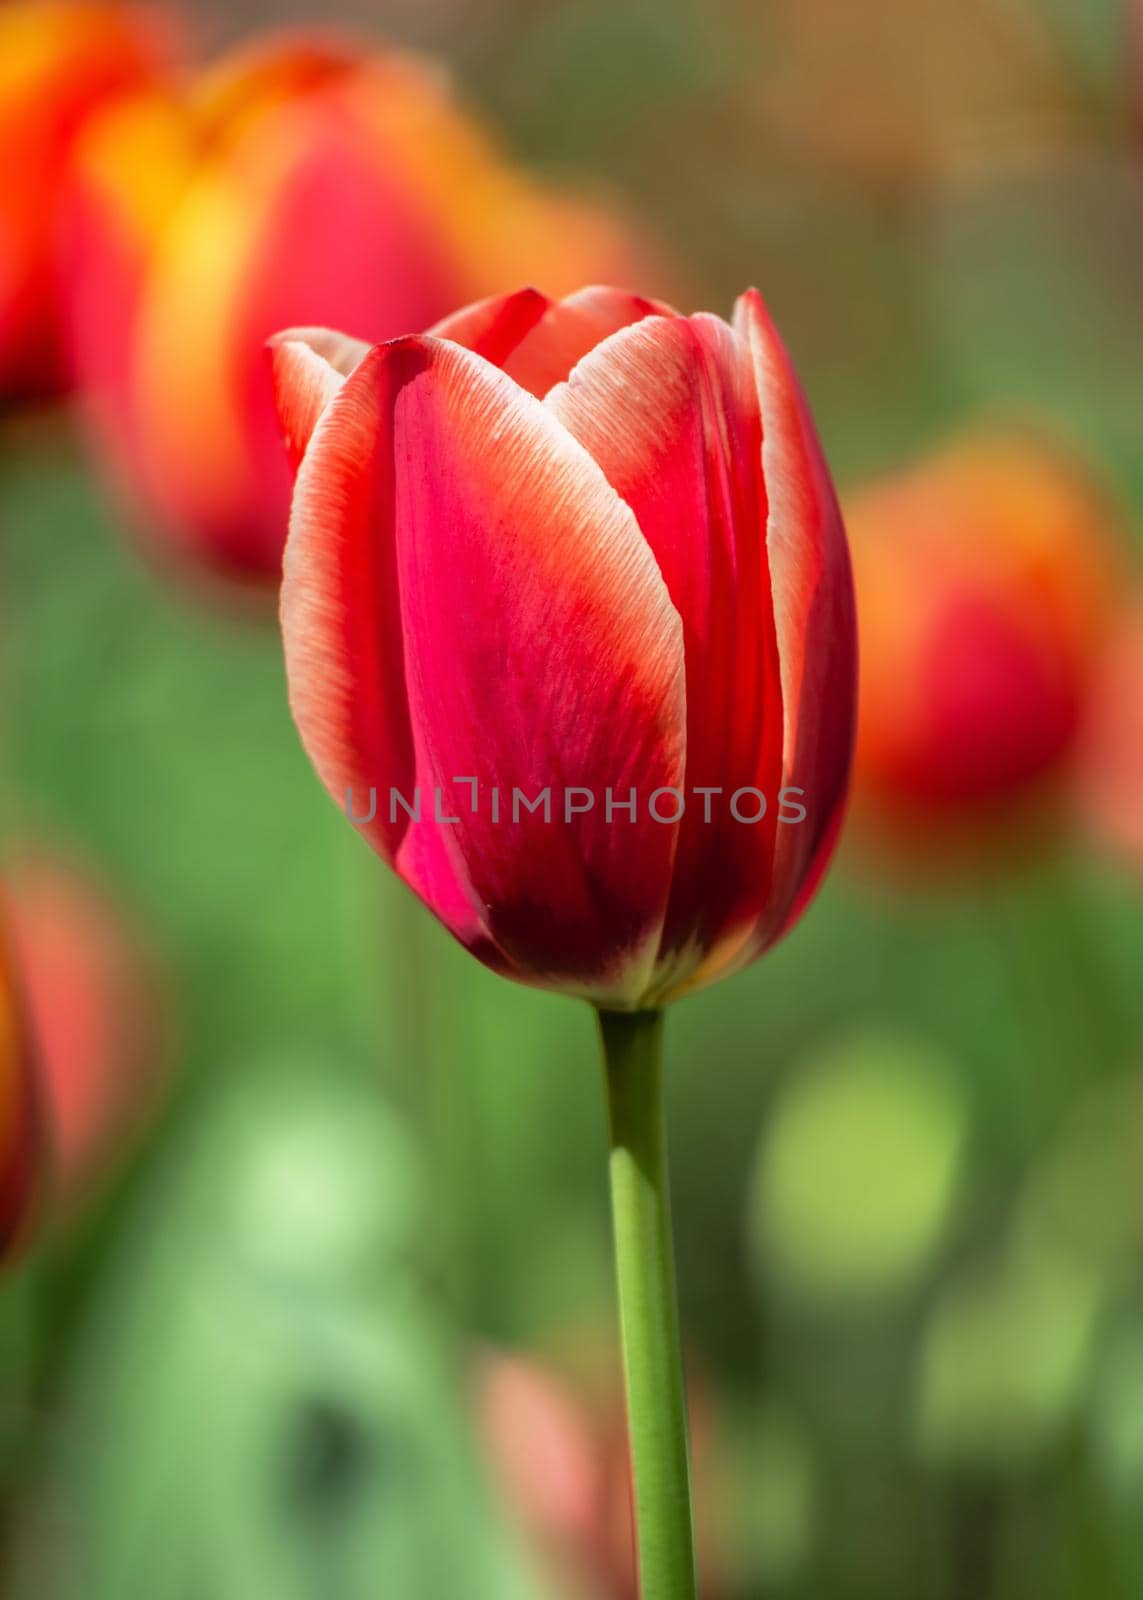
{"x": 984, "y": 578}
{"x": 61, "y": 63}
{"x": 569, "y": 629}
{"x": 300, "y": 181}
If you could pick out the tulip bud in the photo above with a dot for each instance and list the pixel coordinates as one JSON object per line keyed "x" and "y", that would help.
{"x": 60, "y": 63}
{"x": 984, "y": 578}
{"x": 569, "y": 630}
{"x": 298, "y": 183}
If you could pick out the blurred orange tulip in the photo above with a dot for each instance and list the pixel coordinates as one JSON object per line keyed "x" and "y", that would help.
{"x": 1111, "y": 764}
{"x": 60, "y": 63}
{"x": 985, "y": 579}
{"x": 301, "y": 182}
{"x": 91, "y": 1010}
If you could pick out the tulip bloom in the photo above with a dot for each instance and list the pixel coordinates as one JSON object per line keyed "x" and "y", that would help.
{"x": 60, "y": 63}
{"x": 299, "y": 182}
{"x": 584, "y": 553}
{"x": 590, "y": 547}
{"x": 983, "y": 580}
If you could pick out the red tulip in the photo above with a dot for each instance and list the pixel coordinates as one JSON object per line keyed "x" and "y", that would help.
{"x": 586, "y": 548}
{"x": 1110, "y": 768}
{"x": 983, "y": 580}
{"x": 299, "y": 182}
{"x": 59, "y": 64}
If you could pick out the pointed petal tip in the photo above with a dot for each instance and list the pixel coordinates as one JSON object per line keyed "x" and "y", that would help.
{"x": 750, "y": 308}
{"x": 308, "y": 366}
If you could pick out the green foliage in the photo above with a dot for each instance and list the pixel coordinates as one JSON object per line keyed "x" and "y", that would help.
{"x": 265, "y": 1403}
{"x": 859, "y": 1170}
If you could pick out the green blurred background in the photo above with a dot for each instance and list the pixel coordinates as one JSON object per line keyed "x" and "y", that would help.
{"x": 906, "y": 1147}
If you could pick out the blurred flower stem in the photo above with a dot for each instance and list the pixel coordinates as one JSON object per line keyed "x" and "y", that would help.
{"x": 648, "y": 1304}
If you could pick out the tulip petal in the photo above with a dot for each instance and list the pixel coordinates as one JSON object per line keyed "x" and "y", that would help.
{"x": 669, "y": 410}
{"x": 309, "y": 366}
{"x": 538, "y": 341}
{"x": 466, "y": 597}
{"x": 815, "y": 615}
{"x": 495, "y": 327}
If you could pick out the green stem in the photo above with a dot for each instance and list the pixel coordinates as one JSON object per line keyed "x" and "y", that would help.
{"x": 648, "y": 1305}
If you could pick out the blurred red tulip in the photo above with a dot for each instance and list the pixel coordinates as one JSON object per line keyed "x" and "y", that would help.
{"x": 60, "y": 63}
{"x": 300, "y": 182}
{"x": 984, "y": 580}
{"x": 1111, "y": 761}
{"x": 23, "y": 1147}
{"x": 635, "y": 587}
{"x": 559, "y": 1454}
{"x": 542, "y": 1446}
{"x": 92, "y": 1012}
